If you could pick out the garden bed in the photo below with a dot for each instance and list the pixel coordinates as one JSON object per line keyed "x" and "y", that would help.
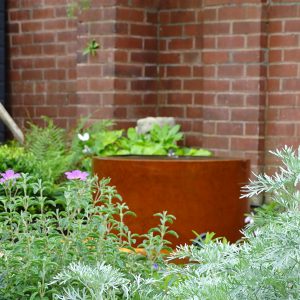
{"x": 57, "y": 244}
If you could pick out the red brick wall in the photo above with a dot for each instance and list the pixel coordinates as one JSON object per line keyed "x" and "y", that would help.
{"x": 119, "y": 82}
{"x": 136, "y": 58}
{"x": 228, "y": 70}
{"x": 283, "y": 109}
{"x": 49, "y": 75}
{"x": 213, "y": 63}
{"x": 95, "y": 73}
{"x": 180, "y": 65}
{"x": 42, "y": 61}
{"x": 234, "y": 59}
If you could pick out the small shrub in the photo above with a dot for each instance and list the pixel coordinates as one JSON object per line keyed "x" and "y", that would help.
{"x": 89, "y": 230}
{"x": 265, "y": 264}
{"x": 48, "y": 147}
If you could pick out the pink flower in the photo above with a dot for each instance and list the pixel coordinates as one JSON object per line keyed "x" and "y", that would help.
{"x": 249, "y": 219}
{"x": 76, "y": 174}
{"x": 9, "y": 175}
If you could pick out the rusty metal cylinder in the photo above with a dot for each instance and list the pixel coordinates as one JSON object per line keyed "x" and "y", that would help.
{"x": 202, "y": 193}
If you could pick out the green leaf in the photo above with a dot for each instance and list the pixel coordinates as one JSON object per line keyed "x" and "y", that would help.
{"x": 33, "y": 296}
{"x": 173, "y": 233}
{"x": 132, "y": 134}
{"x": 91, "y": 48}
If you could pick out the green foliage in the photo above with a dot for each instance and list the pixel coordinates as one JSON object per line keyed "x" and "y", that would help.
{"x": 78, "y": 243}
{"x": 44, "y": 156}
{"x": 13, "y": 156}
{"x": 265, "y": 264}
{"x": 74, "y": 253}
{"x": 155, "y": 241}
{"x": 99, "y": 282}
{"x": 159, "y": 141}
{"x": 91, "y": 48}
{"x": 48, "y": 148}
{"x": 45, "y": 153}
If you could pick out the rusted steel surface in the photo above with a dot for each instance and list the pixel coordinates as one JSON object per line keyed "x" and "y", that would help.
{"x": 203, "y": 193}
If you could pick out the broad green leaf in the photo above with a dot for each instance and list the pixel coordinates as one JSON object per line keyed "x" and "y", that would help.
{"x": 132, "y": 134}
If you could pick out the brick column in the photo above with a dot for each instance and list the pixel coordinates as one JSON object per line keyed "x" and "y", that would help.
{"x": 212, "y": 61}
{"x": 96, "y": 73}
{"x": 120, "y": 81}
{"x": 234, "y": 69}
{"x": 136, "y": 57}
{"x": 283, "y": 109}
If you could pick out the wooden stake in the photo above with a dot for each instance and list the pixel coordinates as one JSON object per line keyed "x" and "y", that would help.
{"x": 10, "y": 123}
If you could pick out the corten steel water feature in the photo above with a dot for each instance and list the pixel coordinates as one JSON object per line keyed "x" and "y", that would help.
{"x": 203, "y": 193}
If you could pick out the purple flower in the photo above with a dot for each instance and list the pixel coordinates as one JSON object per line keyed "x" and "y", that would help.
{"x": 155, "y": 266}
{"x": 9, "y": 175}
{"x": 76, "y": 174}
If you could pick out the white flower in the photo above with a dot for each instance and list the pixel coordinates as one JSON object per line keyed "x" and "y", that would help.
{"x": 84, "y": 137}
